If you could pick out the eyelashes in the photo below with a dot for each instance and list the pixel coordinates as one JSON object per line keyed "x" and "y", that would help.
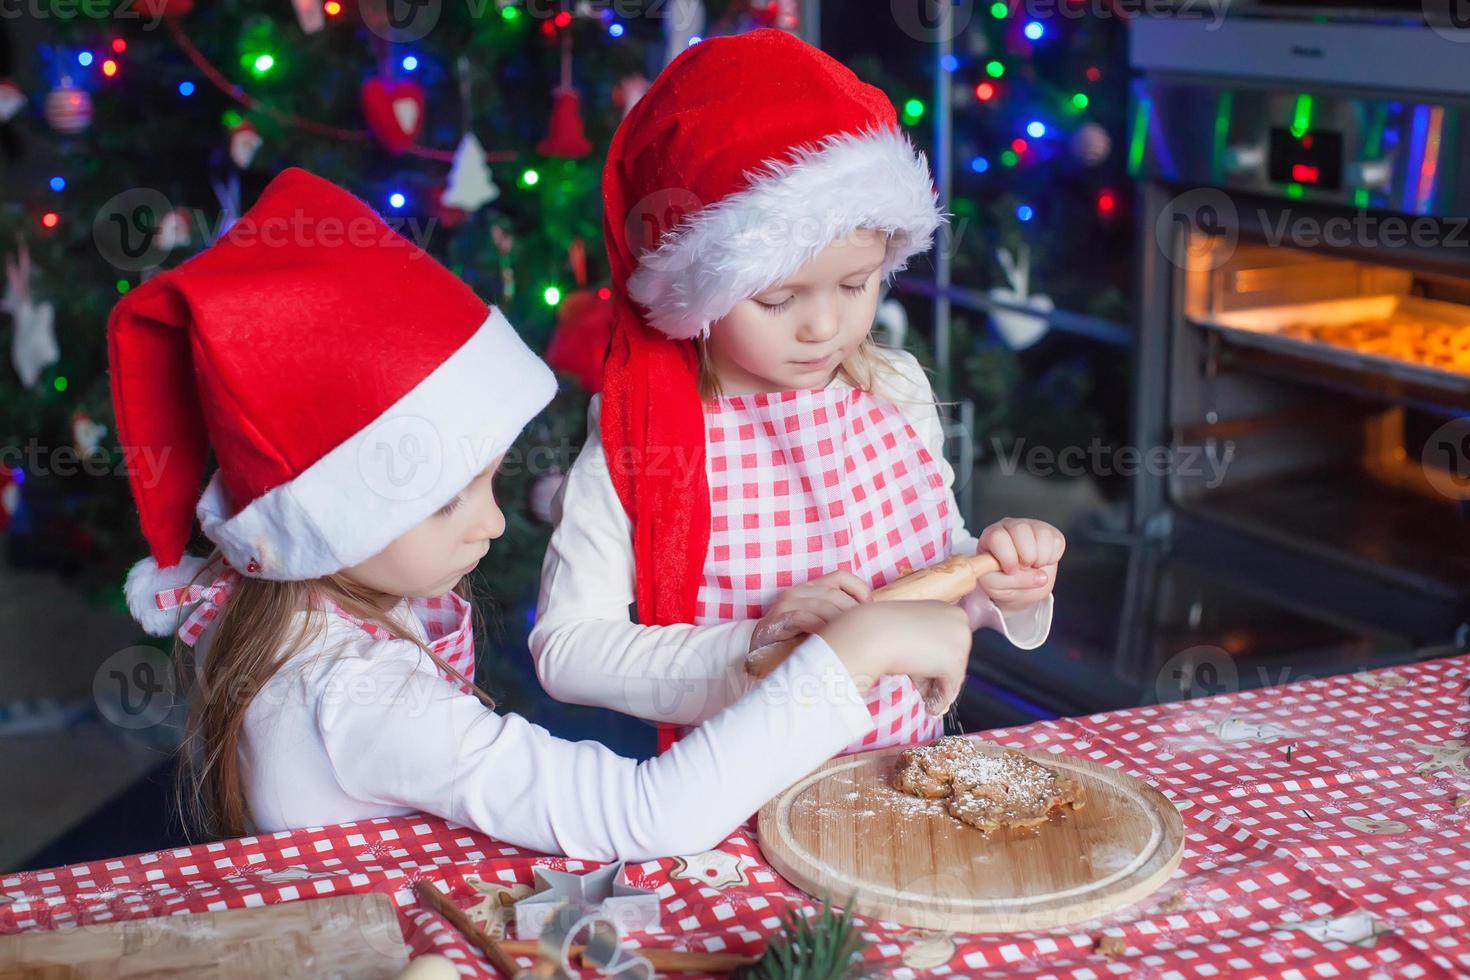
{"x": 777, "y": 308}
{"x": 452, "y": 506}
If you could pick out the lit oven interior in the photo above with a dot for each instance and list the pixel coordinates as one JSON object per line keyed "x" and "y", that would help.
{"x": 1333, "y": 384}
{"x": 1363, "y": 316}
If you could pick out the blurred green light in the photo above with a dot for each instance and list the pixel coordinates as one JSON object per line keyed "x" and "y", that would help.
{"x": 553, "y": 296}
{"x": 994, "y": 69}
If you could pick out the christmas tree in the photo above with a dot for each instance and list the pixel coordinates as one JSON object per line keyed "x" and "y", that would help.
{"x": 133, "y": 133}
{"x": 1041, "y": 200}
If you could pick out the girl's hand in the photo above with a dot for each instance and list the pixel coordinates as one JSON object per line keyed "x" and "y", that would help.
{"x": 807, "y": 608}
{"x": 929, "y": 641}
{"x": 1028, "y": 552}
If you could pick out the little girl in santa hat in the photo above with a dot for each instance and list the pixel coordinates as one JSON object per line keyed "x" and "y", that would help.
{"x": 756, "y": 464}
{"x": 358, "y": 399}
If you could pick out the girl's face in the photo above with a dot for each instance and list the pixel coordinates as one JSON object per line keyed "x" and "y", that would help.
{"x": 795, "y": 335}
{"x": 432, "y": 557}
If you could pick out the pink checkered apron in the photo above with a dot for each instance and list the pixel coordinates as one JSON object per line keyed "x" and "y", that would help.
{"x": 446, "y": 620}
{"x": 803, "y": 483}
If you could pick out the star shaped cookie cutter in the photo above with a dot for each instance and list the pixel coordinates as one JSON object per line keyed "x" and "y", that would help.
{"x": 603, "y": 893}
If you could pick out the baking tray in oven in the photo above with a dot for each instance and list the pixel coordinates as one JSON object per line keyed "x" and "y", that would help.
{"x": 1320, "y": 331}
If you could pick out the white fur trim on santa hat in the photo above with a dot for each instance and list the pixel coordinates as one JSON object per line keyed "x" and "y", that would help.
{"x": 398, "y": 470}
{"x": 791, "y": 211}
{"x": 145, "y": 580}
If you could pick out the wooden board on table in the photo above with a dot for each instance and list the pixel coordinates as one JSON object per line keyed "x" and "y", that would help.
{"x": 845, "y": 832}
{"x": 353, "y": 936}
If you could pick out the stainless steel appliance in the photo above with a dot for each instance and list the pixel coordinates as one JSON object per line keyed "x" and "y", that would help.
{"x": 1306, "y": 294}
{"x": 1303, "y": 355}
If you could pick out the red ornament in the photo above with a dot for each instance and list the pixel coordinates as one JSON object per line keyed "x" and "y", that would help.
{"x": 394, "y": 111}
{"x": 583, "y": 330}
{"x": 566, "y": 138}
{"x": 9, "y": 495}
{"x": 68, "y": 108}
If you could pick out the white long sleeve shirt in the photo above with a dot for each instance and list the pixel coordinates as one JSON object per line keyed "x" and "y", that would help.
{"x": 354, "y": 727}
{"x": 588, "y": 650}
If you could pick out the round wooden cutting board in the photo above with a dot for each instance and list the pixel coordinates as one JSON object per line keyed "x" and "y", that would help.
{"x": 845, "y": 832}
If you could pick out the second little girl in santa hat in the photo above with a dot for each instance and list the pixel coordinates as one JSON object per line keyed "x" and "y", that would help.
{"x": 755, "y": 463}
{"x": 357, "y": 399}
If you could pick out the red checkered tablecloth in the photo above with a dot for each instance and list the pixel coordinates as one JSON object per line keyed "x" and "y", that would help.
{"x": 1326, "y": 830}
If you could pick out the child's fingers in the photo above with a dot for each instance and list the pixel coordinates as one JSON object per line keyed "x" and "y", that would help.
{"x": 998, "y": 543}
{"x": 826, "y": 607}
{"x": 847, "y": 583}
{"x": 826, "y": 593}
{"x": 1056, "y": 546}
{"x": 788, "y": 626}
{"x": 999, "y": 584}
{"x": 940, "y": 690}
{"x": 936, "y": 698}
{"x": 802, "y": 623}
{"x": 1049, "y": 544}
{"x": 1023, "y": 536}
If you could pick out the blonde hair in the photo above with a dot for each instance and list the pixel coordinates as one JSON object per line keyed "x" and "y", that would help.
{"x": 258, "y": 630}
{"x": 864, "y": 368}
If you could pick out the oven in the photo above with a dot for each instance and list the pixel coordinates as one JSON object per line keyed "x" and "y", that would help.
{"x": 1302, "y": 367}
{"x": 1306, "y": 300}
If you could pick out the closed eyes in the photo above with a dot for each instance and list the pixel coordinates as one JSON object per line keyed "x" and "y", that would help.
{"x": 776, "y": 308}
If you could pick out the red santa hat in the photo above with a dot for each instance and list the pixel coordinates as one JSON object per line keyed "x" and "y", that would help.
{"x": 746, "y": 158}
{"x": 348, "y": 385}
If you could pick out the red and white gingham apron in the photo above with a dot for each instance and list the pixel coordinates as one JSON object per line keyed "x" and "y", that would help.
{"x": 448, "y": 625}
{"x": 803, "y": 483}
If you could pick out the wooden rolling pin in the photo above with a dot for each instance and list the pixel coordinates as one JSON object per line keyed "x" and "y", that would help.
{"x": 946, "y": 581}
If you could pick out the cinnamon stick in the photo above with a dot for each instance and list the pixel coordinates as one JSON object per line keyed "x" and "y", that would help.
{"x": 494, "y": 952}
